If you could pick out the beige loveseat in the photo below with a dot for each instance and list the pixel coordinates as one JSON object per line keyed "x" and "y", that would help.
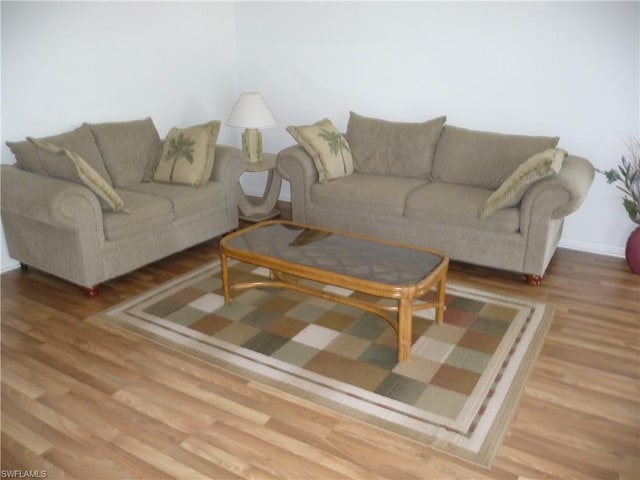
{"x": 484, "y": 198}
{"x": 87, "y": 205}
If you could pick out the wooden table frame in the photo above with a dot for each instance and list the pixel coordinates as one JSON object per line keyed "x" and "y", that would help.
{"x": 283, "y": 273}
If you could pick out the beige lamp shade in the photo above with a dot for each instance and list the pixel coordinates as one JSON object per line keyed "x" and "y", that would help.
{"x": 251, "y": 112}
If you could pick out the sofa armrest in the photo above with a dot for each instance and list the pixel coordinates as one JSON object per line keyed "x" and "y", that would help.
{"x": 576, "y": 176}
{"x": 49, "y": 200}
{"x": 227, "y": 168}
{"x": 53, "y": 225}
{"x": 296, "y": 166}
{"x": 228, "y": 164}
{"x": 559, "y": 195}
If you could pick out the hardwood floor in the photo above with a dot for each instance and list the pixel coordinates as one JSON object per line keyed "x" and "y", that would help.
{"x": 81, "y": 402}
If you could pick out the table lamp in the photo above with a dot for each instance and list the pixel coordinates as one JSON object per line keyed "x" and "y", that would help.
{"x": 251, "y": 112}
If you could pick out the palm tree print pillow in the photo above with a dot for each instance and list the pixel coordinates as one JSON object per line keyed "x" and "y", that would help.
{"x": 328, "y": 148}
{"x": 187, "y": 156}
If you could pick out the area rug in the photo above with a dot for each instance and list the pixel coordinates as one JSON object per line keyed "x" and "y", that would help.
{"x": 458, "y": 393}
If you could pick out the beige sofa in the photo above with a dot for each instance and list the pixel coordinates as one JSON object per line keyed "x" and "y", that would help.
{"x": 91, "y": 219}
{"x": 484, "y": 198}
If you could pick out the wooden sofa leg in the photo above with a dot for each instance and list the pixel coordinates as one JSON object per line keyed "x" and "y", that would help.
{"x": 91, "y": 291}
{"x": 533, "y": 280}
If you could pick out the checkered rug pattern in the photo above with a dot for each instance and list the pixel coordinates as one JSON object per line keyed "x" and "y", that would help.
{"x": 460, "y": 372}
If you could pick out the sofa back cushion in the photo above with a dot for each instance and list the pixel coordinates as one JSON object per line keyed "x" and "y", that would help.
{"x": 26, "y": 157}
{"x": 79, "y": 141}
{"x": 393, "y": 148}
{"x": 130, "y": 149}
{"x": 483, "y": 159}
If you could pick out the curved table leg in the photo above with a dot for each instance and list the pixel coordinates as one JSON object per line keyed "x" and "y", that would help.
{"x": 265, "y": 209}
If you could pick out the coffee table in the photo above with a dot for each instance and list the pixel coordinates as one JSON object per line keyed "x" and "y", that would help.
{"x": 380, "y": 269}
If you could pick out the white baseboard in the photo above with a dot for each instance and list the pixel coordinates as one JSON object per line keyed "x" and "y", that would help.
{"x": 10, "y": 265}
{"x": 589, "y": 247}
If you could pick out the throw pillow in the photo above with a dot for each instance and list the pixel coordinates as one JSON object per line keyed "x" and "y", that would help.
{"x": 510, "y": 193}
{"x": 65, "y": 164}
{"x": 187, "y": 155}
{"x": 329, "y": 149}
{"x": 393, "y": 148}
{"x": 130, "y": 149}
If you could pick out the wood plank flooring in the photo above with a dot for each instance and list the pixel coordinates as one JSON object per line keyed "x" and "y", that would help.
{"x": 86, "y": 403}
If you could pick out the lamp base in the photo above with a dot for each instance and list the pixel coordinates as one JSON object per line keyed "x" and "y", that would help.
{"x": 252, "y": 145}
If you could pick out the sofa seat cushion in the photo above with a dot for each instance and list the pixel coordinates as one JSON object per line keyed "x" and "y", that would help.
{"x": 449, "y": 204}
{"x": 185, "y": 200}
{"x": 483, "y": 159}
{"x": 383, "y": 194}
{"x": 144, "y": 212}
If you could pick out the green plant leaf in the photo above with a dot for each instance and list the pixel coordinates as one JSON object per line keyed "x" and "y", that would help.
{"x": 632, "y": 209}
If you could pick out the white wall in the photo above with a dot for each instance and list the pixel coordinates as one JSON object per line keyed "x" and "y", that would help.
{"x": 567, "y": 69}
{"x": 66, "y": 63}
{"x": 544, "y": 68}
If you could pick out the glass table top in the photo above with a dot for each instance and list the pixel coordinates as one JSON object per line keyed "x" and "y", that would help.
{"x": 341, "y": 254}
